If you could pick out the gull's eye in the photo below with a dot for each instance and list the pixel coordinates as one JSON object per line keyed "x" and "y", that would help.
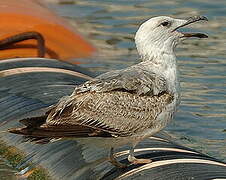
{"x": 165, "y": 23}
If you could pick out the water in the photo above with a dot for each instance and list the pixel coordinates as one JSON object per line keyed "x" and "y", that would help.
{"x": 110, "y": 25}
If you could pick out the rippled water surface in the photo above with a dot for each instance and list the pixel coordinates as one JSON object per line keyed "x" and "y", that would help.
{"x": 200, "y": 122}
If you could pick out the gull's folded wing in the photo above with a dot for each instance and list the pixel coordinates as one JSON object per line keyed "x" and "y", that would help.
{"x": 135, "y": 79}
{"x": 117, "y": 103}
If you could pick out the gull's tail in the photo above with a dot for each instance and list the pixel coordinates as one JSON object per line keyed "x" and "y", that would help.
{"x": 32, "y": 125}
{"x": 36, "y": 130}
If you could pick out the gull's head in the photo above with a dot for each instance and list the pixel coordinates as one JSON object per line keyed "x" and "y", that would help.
{"x": 161, "y": 34}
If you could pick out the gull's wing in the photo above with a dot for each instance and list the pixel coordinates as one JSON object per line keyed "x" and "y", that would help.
{"x": 135, "y": 79}
{"x": 117, "y": 113}
{"x": 117, "y": 103}
{"x": 120, "y": 102}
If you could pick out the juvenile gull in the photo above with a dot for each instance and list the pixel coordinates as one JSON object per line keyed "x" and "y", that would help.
{"x": 123, "y": 106}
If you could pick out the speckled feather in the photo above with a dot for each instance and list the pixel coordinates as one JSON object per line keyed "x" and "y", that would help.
{"x": 117, "y": 112}
{"x": 136, "y": 79}
{"x": 134, "y": 102}
{"x": 117, "y": 103}
{"x": 122, "y": 103}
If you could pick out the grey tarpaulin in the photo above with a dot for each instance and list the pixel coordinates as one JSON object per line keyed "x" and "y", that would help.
{"x": 28, "y": 85}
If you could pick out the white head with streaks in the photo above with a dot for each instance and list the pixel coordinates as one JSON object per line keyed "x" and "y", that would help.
{"x": 158, "y": 36}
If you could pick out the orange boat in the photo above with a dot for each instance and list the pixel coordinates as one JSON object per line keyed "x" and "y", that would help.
{"x": 26, "y": 21}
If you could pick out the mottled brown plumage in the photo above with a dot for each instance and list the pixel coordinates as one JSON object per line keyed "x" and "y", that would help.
{"x": 117, "y": 103}
{"x": 122, "y": 106}
{"x": 118, "y": 113}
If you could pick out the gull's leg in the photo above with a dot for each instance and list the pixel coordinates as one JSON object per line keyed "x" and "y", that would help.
{"x": 133, "y": 160}
{"x": 114, "y": 161}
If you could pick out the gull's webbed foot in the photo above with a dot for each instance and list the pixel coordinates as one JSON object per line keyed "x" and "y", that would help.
{"x": 131, "y": 159}
{"x": 134, "y": 160}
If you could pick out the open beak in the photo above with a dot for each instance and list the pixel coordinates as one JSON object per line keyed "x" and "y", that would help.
{"x": 192, "y": 20}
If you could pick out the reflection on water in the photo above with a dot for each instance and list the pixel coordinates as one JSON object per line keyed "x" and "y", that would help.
{"x": 111, "y": 25}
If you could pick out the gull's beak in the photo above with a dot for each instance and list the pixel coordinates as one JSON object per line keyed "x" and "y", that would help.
{"x": 192, "y": 20}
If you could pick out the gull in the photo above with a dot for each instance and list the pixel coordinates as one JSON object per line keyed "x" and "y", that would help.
{"x": 122, "y": 106}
